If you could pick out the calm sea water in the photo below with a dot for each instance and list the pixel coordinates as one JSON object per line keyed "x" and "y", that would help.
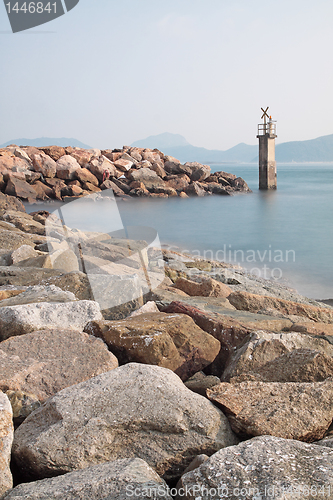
{"x": 286, "y": 234}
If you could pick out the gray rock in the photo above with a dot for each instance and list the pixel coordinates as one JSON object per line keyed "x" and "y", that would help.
{"x": 133, "y": 411}
{"x": 6, "y": 439}
{"x": 148, "y": 177}
{"x": 260, "y": 469}
{"x": 259, "y": 355}
{"x": 21, "y": 319}
{"x": 11, "y": 240}
{"x": 75, "y": 282}
{"x": 22, "y": 253}
{"x": 327, "y": 441}
{"x": 118, "y": 480}
{"x": 44, "y": 362}
{"x": 39, "y": 293}
{"x": 200, "y": 382}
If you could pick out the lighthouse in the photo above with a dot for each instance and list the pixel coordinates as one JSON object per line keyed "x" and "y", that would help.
{"x": 267, "y": 163}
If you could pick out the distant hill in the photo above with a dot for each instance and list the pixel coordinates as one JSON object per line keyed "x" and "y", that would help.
{"x": 47, "y": 141}
{"x": 176, "y": 145}
{"x": 320, "y": 149}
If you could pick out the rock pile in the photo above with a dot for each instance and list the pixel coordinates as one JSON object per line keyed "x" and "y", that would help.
{"x": 217, "y": 385}
{"x": 58, "y": 173}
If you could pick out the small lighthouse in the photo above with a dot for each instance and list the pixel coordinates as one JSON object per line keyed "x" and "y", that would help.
{"x": 267, "y": 163}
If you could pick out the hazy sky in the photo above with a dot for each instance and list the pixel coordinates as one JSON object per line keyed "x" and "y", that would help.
{"x": 112, "y": 72}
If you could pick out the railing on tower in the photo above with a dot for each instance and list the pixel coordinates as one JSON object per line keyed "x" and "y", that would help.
{"x": 267, "y": 128}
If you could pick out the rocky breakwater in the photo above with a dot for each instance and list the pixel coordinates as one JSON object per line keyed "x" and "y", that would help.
{"x": 213, "y": 384}
{"x": 56, "y": 173}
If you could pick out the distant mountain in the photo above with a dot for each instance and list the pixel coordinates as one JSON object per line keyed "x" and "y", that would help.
{"x": 320, "y": 149}
{"x": 47, "y": 141}
{"x": 162, "y": 141}
{"x": 176, "y": 145}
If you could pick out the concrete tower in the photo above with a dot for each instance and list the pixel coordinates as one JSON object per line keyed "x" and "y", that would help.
{"x": 267, "y": 163}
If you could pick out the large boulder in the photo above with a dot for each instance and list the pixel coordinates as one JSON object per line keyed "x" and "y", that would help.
{"x": 262, "y": 468}
{"x": 44, "y": 164}
{"x": 116, "y": 480}
{"x": 101, "y": 167}
{"x": 148, "y": 177}
{"x": 229, "y": 332}
{"x": 84, "y": 175}
{"x": 20, "y": 189}
{"x": 280, "y": 357}
{"x": 55, "y": 152}
{"x": 135, "y": 410}
{"x": 173, "y": 341}
{"x": 67, "y": 167}
{"x": 75, "y": 282}
{"x": 291, "y": 410}
{"x": 44, "y": 362}
{"x": 11, "y": 240}
{"x": 38, "y": 293}
{"x": 6, "y": 439}
{"x": 198, "y": 172}
{"x": 255, "y": 303}
{"x": 21, "y": 319}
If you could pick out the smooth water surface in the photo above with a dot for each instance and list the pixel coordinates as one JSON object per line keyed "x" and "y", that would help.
{"x": 287, "y": 232}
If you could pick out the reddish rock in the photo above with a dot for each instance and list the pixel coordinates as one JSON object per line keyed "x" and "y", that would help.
{"x": 30, "y": 150}
{"x": 150, "y": 155}
{"x": 194, "y": 189}
{"x": 169, "y": 340}
{"x": 206, "y": 288}
{"x": 254, "y": 303}
{"x": 158, "y": 168}
{"x": 123, "y": 165}
{"x": 43, "y": 192}
{"x": 110, "y": 155}
{"x": 178, "y": 182}
{"x": 44, "y": 362}
{"x": 59, "y": 183}
{"x": 67, "y": 167}
{"x": 135, "y": 153}
{"x": 8, "y": 163}
{"x": 44, "y": 164}
{"x": 55, "y": 152}
{"x": 90, "y": 187}
{"x": 122, "y": 185}
{"x": 230, "y": 333}
{"x": 290, "y": 410}
{"x": 10, "y": 203}
{"x": 21, "y": 189}
{"x": 82, "y": 156}
{"x": 111, "y": 185}
{"x": 84, "y": 175}
{"x": 102, "y": 167}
